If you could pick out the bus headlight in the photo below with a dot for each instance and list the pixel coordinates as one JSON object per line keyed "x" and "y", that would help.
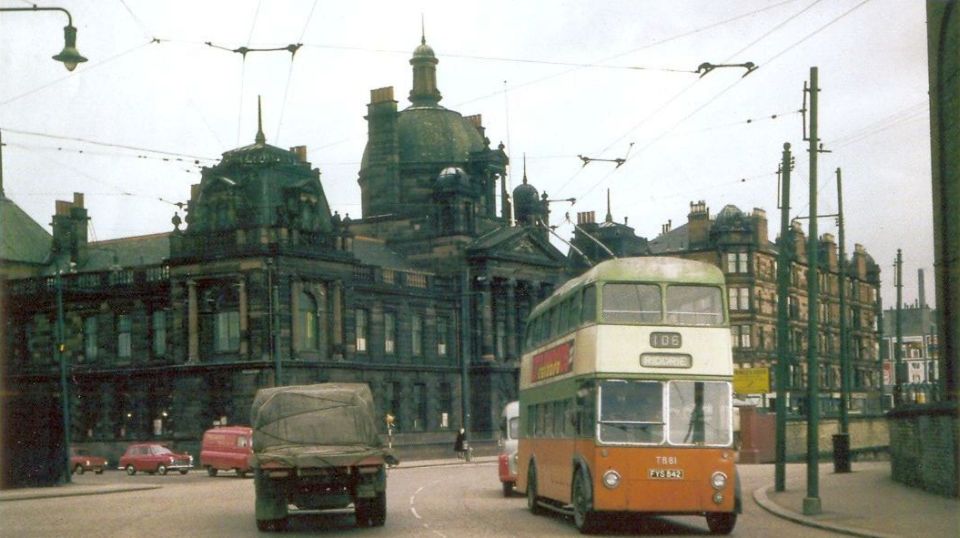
{"x": 611, "y": 479}
{"x": 718, "y": 480}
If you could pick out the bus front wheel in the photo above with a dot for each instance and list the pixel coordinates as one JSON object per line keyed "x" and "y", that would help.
{"x": 583, "y": 515}
{"x": 721, "y": 522}
{"x": 532, "y": 491}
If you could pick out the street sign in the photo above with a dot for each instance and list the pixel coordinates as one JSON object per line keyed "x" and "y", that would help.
{"x": 751, "y": 380}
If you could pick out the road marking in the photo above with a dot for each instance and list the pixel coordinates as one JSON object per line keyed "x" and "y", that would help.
{"x": 414, "y": 512}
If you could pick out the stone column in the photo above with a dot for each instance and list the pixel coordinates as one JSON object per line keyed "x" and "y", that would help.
{"x": 193, "y": 323}
{"x": 486, "y": 315}
{"x": 511, "y": 322}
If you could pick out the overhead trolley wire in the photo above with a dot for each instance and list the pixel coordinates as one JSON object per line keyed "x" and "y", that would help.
{"x": 80, "y": 72}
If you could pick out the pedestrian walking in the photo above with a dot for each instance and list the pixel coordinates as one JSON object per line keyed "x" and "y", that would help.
{"x": 460, "y": 445}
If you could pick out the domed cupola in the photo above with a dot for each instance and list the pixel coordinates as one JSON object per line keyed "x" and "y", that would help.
{"x": 452, "y": 179}
{"x": 731, "y": 219}
{"x": 424, "y": 62}
{"x": 527, "y": 207}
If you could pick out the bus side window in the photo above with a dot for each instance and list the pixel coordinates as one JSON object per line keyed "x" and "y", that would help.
{"x": 575, "y": 307}
{"x": 588, "y": 313}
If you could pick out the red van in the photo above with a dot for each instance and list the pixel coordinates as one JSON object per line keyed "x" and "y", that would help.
{"x": 227, "y": 448}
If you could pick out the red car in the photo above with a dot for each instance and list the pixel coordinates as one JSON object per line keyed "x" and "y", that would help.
{"x": 81, "y": 461}
{"x": 154, "y": 458}
{"x": 227, "y": 448}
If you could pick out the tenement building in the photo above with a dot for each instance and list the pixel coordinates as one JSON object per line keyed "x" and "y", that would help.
{"x": 424, "y": 297}
{"x": 738, "y": 243}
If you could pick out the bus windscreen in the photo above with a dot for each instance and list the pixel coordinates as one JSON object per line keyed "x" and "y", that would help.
{"x": 694, "y": 305}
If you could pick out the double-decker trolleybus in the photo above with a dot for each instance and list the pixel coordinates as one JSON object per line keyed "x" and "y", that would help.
{"x": 626, "y": 395}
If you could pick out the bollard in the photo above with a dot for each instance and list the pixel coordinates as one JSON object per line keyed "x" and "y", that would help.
{"x": 841, "y": 453}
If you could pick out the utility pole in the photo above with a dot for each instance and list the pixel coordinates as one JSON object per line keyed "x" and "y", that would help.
{"x": 844, "y": 349}
{"x": 465, "y": 347}
{"x": 811, "y": 503}
{"x": 898, "y": 350}
{"x": 841, "y": 441}
{"x": 64, "y": 388}
{"x": 784, "y": 257}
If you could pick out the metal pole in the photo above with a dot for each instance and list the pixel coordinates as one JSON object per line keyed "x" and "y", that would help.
{"x": 898, "y": 350}
{"x": 811, "y": 503}
{"x": 465, "y": 351}
{"x": 64, "y": 388}
{"x": 844, "y": 350}
{"x": 784, "y": 257}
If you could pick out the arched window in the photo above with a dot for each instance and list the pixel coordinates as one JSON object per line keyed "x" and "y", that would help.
{"x": 309, "y": 334}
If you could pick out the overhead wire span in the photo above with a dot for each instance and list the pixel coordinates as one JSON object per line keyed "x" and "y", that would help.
{"x": 105, "y": 144}
{"x": 728, "y": 88}
{"x": 89, "y": 67}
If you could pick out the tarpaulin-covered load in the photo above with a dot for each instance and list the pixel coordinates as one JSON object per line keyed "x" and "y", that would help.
{"x": 329, "y": 424}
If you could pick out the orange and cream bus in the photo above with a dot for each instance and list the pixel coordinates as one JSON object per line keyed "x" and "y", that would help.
{"x": 626, "y": 395}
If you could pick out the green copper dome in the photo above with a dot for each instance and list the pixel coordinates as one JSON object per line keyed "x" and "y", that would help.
{"x": 434, "y": 134}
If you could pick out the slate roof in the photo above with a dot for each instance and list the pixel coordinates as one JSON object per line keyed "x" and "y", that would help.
{"x": 677, "y": 239}
{"x": 22, "y": 239}
{"x": 137, "y": 251}
{"x": 372, "y": 251}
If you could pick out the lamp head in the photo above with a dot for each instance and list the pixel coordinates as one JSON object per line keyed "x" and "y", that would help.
{"x": 69, "y": 55}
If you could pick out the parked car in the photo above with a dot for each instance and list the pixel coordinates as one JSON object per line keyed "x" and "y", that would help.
{"x": 227, "y": 448}
{"x": 507, "y": 460}
{"x": 154, "y": 458}
{"x": 81, "y": 461}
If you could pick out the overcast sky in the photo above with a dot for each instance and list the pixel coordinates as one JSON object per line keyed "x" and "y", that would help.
{"x": 552, "y": 79}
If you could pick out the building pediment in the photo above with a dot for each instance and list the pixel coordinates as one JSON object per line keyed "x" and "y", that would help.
{"x": 520, "y": 243}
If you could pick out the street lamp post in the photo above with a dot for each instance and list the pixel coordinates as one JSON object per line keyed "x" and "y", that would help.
{"x": 69, "y": 56}
{"x": 64, "y": 388}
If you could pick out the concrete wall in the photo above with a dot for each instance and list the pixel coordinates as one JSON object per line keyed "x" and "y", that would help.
{"x": 868, "y": 435}
{"x": 924, "y": 442}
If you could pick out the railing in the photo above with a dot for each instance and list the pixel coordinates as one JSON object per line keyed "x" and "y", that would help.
{"x": 92, "y": 282}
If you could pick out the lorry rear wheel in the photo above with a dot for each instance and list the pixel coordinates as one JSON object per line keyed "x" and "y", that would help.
{"x": 378, "y": 509}
{"x": 211, "y": 471}
{"x": 268, "y": 525}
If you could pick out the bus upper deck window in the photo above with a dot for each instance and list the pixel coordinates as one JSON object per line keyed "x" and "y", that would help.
{"x": 588, "y": 313}
{"x": 694, "y": 305}
{"x": 631, "y": 303}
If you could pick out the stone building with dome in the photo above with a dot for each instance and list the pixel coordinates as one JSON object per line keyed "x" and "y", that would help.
{"x": 423, "y": 297}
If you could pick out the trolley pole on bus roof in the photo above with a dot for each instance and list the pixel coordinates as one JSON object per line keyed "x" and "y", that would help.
{"x": 784, "y": 257}
{"x": 811, "y": 503}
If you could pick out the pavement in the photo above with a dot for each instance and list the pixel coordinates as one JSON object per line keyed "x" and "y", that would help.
{"x": 864, "y": 502}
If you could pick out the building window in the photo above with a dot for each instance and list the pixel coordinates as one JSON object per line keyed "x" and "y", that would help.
{"x": 158, "y": 323}
{"x": 416, "y": 335}
{"x": 446, "y": 404}
{"x": 740, "y": 336}
{"x": 738, "y": 262}
{"x": 90, "y": 338}
{"x": 501, "y": 340}
{"x": 396, "y": 402}
{"x": 389, "y": 333}
{"x": 308, "y": 335}
{"x": 739, "y": 298}
{"x": 442, "y": 336}
{"x": 227, "y": 334}
{"x": 420, "y": 404}
{"x": 124, "y": 326}
{"x": 361, "y": 322}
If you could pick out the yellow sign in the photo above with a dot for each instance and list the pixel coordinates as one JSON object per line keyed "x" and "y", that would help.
{"x": 751, "y": 380}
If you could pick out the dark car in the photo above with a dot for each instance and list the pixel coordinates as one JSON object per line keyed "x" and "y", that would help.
{"x": 154, "y": 458}
{"x": 81, "y": 461}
